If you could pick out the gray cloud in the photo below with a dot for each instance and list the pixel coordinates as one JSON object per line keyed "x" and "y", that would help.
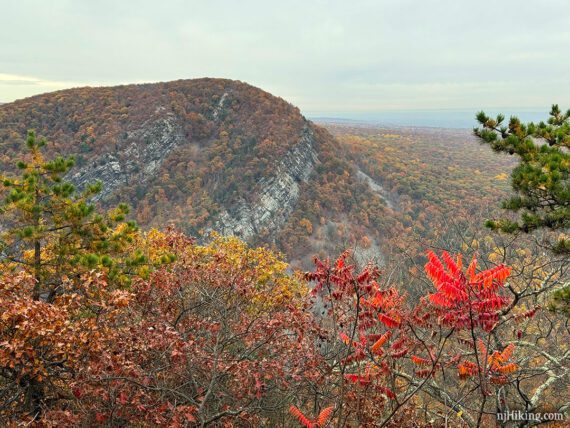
{"x": 324, "y": 56}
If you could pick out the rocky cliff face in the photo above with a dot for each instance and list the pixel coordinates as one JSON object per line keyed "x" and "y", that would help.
{"x": 145, "y": 150}
{"x": 204, "y": 155}
{"x": 276, "y": 196}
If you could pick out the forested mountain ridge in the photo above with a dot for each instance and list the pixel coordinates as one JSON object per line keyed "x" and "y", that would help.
{"x": 222, "y": 155}
{"x": 205, "y": 154}
{"x": 107, "y": 324}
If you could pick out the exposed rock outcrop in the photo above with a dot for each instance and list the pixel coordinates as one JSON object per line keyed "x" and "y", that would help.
{"x": 203, "y": 154}
{"x": 277, "y": 195}
{"x": 377, "y": 188}
{"x": 146, "y": 148}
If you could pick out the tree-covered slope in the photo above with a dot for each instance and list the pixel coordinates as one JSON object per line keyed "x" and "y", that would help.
{"x": 206, "y": 154}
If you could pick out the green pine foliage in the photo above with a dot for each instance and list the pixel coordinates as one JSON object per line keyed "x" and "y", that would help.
{"x": 541, "y": 180}
{"x": 54, "y": 232}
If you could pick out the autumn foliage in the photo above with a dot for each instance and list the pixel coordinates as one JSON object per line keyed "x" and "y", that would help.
{"x": 466, "y": 299}
{"x": 225, "y": 335}
{"x": 160, "y": 330}
{"x": 319, "y": 421}
{"x": 218, "y": 334}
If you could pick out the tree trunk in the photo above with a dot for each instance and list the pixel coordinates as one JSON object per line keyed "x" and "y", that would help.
{"x": 37, "y": 251}
{"x": 33, "y": 398}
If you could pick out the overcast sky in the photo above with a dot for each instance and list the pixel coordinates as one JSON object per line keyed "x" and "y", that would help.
{"x": 327, "y": 57}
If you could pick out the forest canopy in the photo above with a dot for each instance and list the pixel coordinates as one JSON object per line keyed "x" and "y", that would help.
{"x": 104, "y": 324}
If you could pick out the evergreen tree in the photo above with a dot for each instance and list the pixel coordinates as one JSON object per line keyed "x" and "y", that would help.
{"x": 541, "y": 180}
{"x": 52, "y": 231}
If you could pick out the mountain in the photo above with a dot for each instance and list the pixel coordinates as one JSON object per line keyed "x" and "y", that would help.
{"x": 221, "y": 155}
{"x": 210, "y": 155}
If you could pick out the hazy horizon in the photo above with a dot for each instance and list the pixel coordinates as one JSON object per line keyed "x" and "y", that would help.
{"x": 434, "y": 118}
{"x": 455, "y": 118}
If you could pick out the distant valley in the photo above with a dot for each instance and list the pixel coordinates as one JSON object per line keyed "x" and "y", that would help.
{"x": 220, "y": 155}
